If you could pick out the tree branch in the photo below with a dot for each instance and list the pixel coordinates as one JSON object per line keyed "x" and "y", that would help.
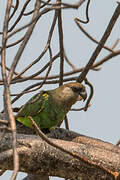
{"x": 43, "y": 159}
{"x": 101, "y": 44}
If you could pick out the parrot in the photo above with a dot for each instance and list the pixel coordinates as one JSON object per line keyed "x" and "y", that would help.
{"x": 48, "y": 108}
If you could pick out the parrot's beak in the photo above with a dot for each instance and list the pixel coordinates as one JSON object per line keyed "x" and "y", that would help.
{"x": 82, "y": 95}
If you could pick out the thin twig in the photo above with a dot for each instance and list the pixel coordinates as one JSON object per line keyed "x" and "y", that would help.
{"x": 45, "y": 67}
{"x": 24, "y": 43}
{"x": 100, "y": 45}
{"x": 61, "y": 46}
{"x": 68, "y": 61}
{"x": 66, "y": 5}
{"x": 44, "y": 11}
{"x": 87, "y": 16}
{"x": 7, "y": 100}
{"x": 115, "y": 43}
{"x": 97, "y": 64}
{"x": 50, "y": 66}
{"x": 8, "y": 69}
{"x": 33, "y": 63}
{"x": 15, "y": 9}
{"x": 30, "y": 12}
{"x": 100, "y": 62}
{"x": 66, "y": 123}
{"x": 90, "y": 37}
{"x": 35, "y": 74}
{"x": 43, "y": 52}
{"x": 20, "y": 16}
{"x": 106, "y": 58}
{"x": 14, "y": 43}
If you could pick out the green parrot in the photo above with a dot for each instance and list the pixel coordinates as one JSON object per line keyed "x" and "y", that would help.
{"x": 48, "y": 108}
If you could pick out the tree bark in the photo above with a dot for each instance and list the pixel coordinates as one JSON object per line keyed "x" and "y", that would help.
{"x": 98, "y": 159}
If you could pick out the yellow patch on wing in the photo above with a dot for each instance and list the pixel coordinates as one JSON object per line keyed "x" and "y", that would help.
{"x": 40, "y": 110}
{"x": 45, "y": 95}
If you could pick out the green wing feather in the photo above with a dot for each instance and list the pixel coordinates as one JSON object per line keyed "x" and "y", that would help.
{"x": 31, "y": 108}
{"x": 44, "y": 111}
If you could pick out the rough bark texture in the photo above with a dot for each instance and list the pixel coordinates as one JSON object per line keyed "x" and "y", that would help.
{"x": 98, "y": 159}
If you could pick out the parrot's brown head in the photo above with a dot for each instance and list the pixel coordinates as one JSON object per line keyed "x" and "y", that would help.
{"x": 69, "y": 93}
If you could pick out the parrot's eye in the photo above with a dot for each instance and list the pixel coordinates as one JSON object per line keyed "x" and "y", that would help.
{"x": 76, "y": 89}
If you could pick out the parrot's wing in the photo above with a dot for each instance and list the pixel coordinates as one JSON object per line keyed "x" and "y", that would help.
{"x": 34, "y": 105}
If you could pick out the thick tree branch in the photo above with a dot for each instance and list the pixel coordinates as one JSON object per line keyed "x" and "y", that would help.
{"x": 37, "y": 157}
{"x": 43, "y": 159}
